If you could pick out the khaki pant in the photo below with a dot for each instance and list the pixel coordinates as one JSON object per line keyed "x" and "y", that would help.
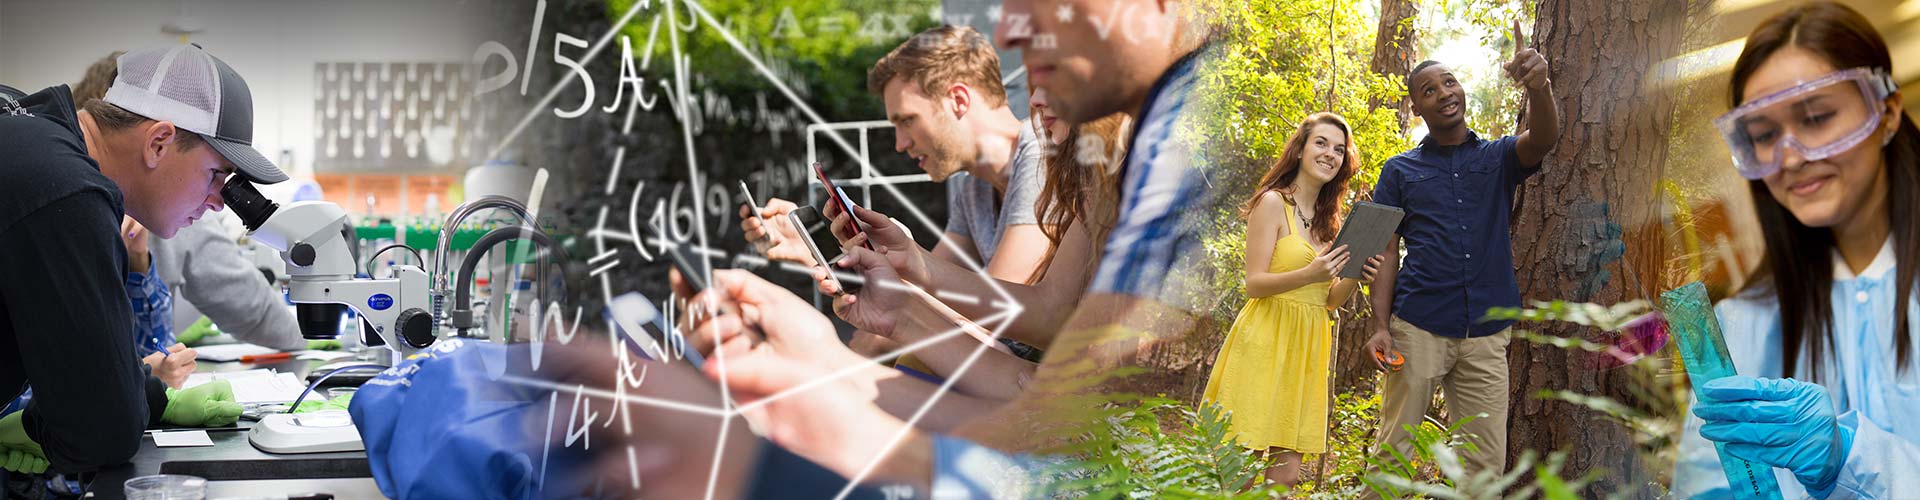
{"x": 1473, "y": 372}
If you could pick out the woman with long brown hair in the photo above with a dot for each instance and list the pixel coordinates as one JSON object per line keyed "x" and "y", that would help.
{"x": 1082, "y": 187}
{"x": 1823, "y": 335}
{"x": 1271, "y": 373}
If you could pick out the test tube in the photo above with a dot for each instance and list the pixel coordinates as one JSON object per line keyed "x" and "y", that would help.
{"x": 1696, "y": 331}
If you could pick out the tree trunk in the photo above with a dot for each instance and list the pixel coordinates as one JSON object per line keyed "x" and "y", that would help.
{"x": 1568, "y": 244}
{"x": 1393, "y": 55}
{"x": 1393, "y": 46}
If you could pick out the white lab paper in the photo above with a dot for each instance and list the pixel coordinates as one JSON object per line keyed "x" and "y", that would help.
{"x": 279, "y": 388}
{"x": 198, "y": 378}
{"x": 230, "y": 352}
{"x": 258, "y": 386}
{"x": 323, "y": 355}
{"x": 173, "y": 439}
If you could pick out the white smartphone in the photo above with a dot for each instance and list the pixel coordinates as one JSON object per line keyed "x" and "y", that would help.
{"x": 748, "y": 195}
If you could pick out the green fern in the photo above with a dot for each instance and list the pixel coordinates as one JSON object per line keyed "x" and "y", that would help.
{"x": 1133, "y": 456}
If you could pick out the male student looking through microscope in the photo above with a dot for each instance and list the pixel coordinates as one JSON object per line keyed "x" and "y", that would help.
{"x": 173, "y": 127}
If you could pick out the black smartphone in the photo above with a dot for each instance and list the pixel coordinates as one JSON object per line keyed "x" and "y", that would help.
{"x": 685, "y": 259}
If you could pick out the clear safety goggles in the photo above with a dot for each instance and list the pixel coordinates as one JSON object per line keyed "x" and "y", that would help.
{"x": 1817, "y": 119}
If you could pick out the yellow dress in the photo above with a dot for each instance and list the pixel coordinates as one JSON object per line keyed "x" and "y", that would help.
{"x": 1272, "y": 371}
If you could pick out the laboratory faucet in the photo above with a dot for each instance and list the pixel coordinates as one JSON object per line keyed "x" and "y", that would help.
{"x": 443, "y": 279}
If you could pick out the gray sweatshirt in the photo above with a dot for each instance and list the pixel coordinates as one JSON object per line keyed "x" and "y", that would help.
{"x": 208, "y": 276}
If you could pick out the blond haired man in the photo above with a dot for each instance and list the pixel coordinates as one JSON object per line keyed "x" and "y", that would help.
{"x": 942, "y": 92}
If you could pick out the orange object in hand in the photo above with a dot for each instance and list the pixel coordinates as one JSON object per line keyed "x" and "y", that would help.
{"x": 1392, "y": 359}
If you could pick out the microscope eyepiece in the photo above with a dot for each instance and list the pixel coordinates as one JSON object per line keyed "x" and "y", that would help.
{"x": 253, "y": 208}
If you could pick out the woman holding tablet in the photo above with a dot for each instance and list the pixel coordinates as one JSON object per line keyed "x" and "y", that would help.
{"x": 1272, "y": 370}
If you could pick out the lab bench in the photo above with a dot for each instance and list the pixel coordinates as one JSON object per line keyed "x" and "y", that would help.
{"x": 233, "y": 468}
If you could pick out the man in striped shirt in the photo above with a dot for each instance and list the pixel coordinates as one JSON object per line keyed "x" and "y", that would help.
{"x": 1149, "y": 287}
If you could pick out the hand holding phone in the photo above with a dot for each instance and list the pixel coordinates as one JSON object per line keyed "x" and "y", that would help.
{"x": 839, "y": 200}
{"x": 818, "y": 239}
{"x": 695, "y": 275}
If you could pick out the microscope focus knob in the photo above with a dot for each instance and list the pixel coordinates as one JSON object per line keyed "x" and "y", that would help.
{"x": 416, "y": 328}
{"x": 302, "y": 254}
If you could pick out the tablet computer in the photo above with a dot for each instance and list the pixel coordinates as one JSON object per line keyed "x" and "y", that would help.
{"x": 1368, "y": 228}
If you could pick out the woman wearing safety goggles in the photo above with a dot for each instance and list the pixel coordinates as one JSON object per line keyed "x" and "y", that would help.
{"x": 1829, "y": 394}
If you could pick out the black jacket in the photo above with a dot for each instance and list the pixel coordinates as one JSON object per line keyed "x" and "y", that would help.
{"x": 65, "y": 321}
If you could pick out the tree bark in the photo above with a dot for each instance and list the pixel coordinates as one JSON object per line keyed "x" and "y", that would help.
{"x": 1393, "y": 55}
{"x": 1393, "y": 45}
{"x": 1568, "y": 232}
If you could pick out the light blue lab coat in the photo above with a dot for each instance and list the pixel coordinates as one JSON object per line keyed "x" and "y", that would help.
{"x": 1880, "y": 405}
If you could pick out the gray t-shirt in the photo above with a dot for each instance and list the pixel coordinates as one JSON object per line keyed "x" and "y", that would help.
{"x": 975, "y": 211}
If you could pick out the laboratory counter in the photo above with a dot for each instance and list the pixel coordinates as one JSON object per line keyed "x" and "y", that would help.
{"x": 233, "y": 468}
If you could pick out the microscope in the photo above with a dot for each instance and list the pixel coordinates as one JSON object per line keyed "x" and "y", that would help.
{"x": 315, "y": 238}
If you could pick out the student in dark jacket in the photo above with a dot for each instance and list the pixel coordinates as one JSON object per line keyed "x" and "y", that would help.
{"x": 171, "y": 130}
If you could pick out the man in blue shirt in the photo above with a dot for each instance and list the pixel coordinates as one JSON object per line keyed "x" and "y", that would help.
{"x": 1457, "y": 190}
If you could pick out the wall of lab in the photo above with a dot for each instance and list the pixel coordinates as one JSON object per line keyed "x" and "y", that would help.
{"x": 274, "y": 44}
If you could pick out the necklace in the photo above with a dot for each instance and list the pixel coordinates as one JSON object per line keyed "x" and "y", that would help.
{"x": 1305, "y": 221}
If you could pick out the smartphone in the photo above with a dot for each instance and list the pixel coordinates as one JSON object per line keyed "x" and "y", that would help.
{"x": 819, "y": 237}
{"x": 748, "y": 195}
{"x": 839, "y": 198}
{"x": 645, "y": 330}
{"x": 683, "y": 260}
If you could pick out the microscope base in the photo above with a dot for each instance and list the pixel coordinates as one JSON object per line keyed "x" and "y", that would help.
{"x": 314, "y": 432}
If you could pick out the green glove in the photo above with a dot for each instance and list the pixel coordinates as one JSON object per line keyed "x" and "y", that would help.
{"x": 199, "y": 331}
{"x": 335, "y": 403}
{"x": 205, "y": 405}
{"x": 323, "y": 345}
{"x": 18, "y": 453}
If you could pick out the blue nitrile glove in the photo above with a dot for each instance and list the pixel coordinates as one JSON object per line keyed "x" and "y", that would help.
{"x": 18, "y": 453}
{"x": 1779, "y": 422}
{"x": 205, "y": 405}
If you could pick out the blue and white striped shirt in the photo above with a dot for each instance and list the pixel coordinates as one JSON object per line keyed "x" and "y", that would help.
{"x": 1157, "y": 238}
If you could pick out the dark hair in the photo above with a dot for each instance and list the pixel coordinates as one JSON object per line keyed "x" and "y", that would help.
{"x": 1081, "y": 192}
{"x": 113, "y": 118}
{"x": 99, "y": 76}
{"x": 1326, "y": 206}
{"x": 1847, "y": 40}
{"x": 1417, "y": 68}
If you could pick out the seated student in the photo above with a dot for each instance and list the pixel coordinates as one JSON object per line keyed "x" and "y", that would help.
{"x": 1078, "y": 205}
{"x": 942, "y": 92}
{"x": 1147, "y": 291}
{"x": 1823, "y": 336}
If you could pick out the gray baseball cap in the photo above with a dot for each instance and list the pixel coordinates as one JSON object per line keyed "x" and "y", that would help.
{"x": 197, "y": 92}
